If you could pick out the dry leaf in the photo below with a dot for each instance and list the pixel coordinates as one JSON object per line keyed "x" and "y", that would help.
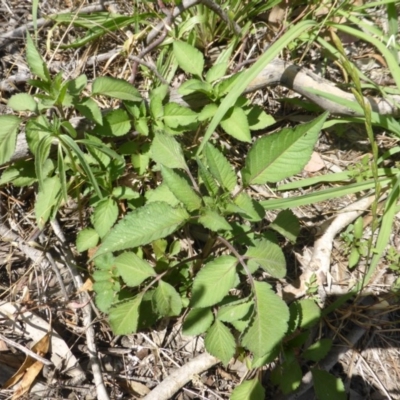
{"x": 86, "y": 287}
{"x": 315, "y": 164}
{"x": 29, "y": 377}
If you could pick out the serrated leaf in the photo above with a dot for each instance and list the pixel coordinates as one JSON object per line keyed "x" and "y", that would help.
{"x": 220, "y": 167}
{"x": 235, "y": 311}
{"x": 318, "y": 350}
{"x": 194, "y": 85}
{"x": 22, "y": 102}
{"x": 8, "y": 135}
{"x": 217, "y": 71}
{"x": 282, "y": 154}
{"x": 176, "y": 115}
{"x": 213, "y": 221}
{"x": 75, "y": 86}
{"x": 208, "y": 179}
{"x": 248, "y": 390}
{"x": 167, "y": 151}
{"x": 104, "y": 216}
{"x": 308, "y": 312}
{"x": 161, "y": 193}
{"x": 213, "y": 282}
{"x": 236, "y": 125}
{"x": 35, "y": 62}
{"x": 207, "y": 112}
{"x": 197, "y": 321}
{"x": 124, "y": 316}
{"x": 47, "y": 199}
{"x": 288, "y": 376}
{"x": 156, "y": 107}
{"x": 105, "y": 295}
{"x": 287, "y": 224}
{"x": 133, "y": 269}
{"x": 89, "y": 109}
{"x": 258, "y": 118}
{"x": 181, "y": 189}
{"x": 166, "y": 300}
{"x": 269, "y": 256}
{"x": 189, "y": 58}
{"x": 327, "y": 386}
{"x": 116, "y": 88}
{"x": 220, "y": 342}
{"x": 269, "y": 323}
{"x": 252, "y": 210}
{"x": 115, "y": 123}
{"x": 86, "y": 239}
{"x": 142, "y": 226}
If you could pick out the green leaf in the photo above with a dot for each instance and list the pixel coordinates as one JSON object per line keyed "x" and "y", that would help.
{"x": 156, "y": 108}
{"x": 47, "y": 199}
{"x": 213, "y": 282}
{"x": 288, "y": 376}
{"x": 75, "y": 86}
{"x": 249, "y": 390}
{"x": 181, "y": 189}
{"x": 269, "y": 323}
{"x": 22, "y": 173}
{"x": 142, "y": 226}
{"x": 189, "y": 58}
{"x": 89, "y": 109}
{"x": 195, "y": 85}
{"x": 161, "y": 193}
{"x": 124, "y": 316}
{"x": 176, "y": 115}
{"x": 268, "y": 256}
{"x": 8, "y": 135}
{"x": 258, "y": 118}
{"x": 23, "y": 102}
{"x": 213, "y": 221}
{"x": 167, "y": 151}
{"x": 116, "y": 88}
{"x": 236, "y": 125}
{"x": 217, "y": 71}
{"x": 252, "y": 210}
{"x": 306, "y": 312}
{"x": 208, "y": 180}
{"x": 104, "y": 216}
{"x": 220, "y": 342}
{"x": 287, "y": 224}
{"x": 235, "y": 310}
{"x": 220, "y": 167}
{"x": 207, "y": 112}
{"x": 35, "y": 62}
{"x": 197, "y": 321}
{"x": 318, "y": 350}
{"x": 327, "y": 386}
{"x": 166, "y": 300}
{"x": 86, "y": 239}
{"x": 115, "y": 123}
{"x": 105, "y": 295}
{"x": 133, "y": 269}
{"x": 282, "y": 154}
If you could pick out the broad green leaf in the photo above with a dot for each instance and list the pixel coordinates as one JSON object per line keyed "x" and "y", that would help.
{"x": 47, "y": 199}
{"x": 252, "y": 210}
{"x": 288, "y": 376}
{"x": 282, "y": 154}
{"x": 197, "y": 321}
{"x": 167, "y": 151}
{"x": 116, "y": 88}
{"x": 220, "y": 342}
{"x": 105, "y": 295}
{"x": 213, "y": 282}
{"x": 176, "y": 115}
{"x": 248, "y": 390}
{"x": 41, "y": 155}
{"x": 181, "y": 189}
{"x": 115, "y": 123}
{"x": 327, "y": 386}
{"x": 235, "y": 311}
{"x": 236, "y": 125}
{"x": 268, "y": 256}
{"x": 161, "y": 193}
{"x": 143, "y": 225}
{"x": 318, "y": 350}
{"x": 213, "y": 221}
{"x": 35, "y": 130}
{"x": 195, "y": 85}
{"x": 208, "y": 180}
{"x": 35, "y": 62}
{"x": 160, "y": 92}
{"x": 104, "y": 216}
{"x": 306, "y": 313}
{"x": 133, "y": 269}
{"x": 8, "y": 135}
{"x": 75, "y": 86}
{"x": 86, "y": 239}
{"x": 269, "y": 323}
{"x": 156, "y": 108}
{"x": 22, "y": 102}
{"x": 287, "y": 224}
{"x": 217, "y": 71}
{"x": 166, "y": 300}
{"x": 189, "y": 58}
{"x": 258, "y": 118}
{"x": 89, "y": 109}
{"x": 207, "y": 112}
{"x": 220, "y": 167}
{"x": 124, "y": 316}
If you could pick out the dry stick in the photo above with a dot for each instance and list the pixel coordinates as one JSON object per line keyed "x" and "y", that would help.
{"x": 179, "y": 378}
{"x": 87, "y": 315}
